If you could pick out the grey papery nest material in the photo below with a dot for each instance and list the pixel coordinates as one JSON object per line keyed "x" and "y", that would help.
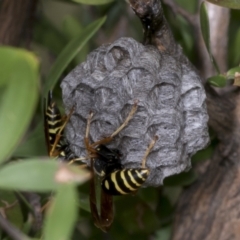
{"x": 171, "y": 105}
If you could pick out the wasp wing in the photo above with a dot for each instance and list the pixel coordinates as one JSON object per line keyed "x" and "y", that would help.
{"x": 107, "y": 214}
{"x": 105, "y": 218}
{"x": 93, "y": 200}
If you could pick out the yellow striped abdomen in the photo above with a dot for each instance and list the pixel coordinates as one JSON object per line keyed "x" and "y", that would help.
{"x": 54, "y": 123}
{"x": 124, "y": 181}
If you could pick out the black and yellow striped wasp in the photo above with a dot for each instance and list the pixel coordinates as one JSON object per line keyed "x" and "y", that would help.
{"x": 104, "y": 162}
{"x": 54, "y": 124}
{"x": 116, "y": 180}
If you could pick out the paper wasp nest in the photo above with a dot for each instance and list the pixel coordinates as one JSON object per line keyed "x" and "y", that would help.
{"x": 171, "y": 105}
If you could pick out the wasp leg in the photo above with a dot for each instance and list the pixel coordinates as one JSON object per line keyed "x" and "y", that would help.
{"x": 89, "y": 146}
{"x": 149, "y": 149}
{"x": 77, "y": 160}
{"x": 119, "y": 129}
{"x": 125, "y": 123}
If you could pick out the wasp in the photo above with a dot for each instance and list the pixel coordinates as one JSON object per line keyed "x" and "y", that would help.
{"x": 54, "y": 124}
{"x": 116, "y": 180}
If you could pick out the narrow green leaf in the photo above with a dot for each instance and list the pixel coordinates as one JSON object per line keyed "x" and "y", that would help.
{"x": 69, "y": 52}
{"x": 19, "y": 76}
{"x": 40, "y": 175}
{"x": 34, "y": 145}
{"x": 231, "y": 72}
{"x": 72, "y": 28}
{"x": 235, "y": 4}
{"x": 62, "y": 214}
{"x": 29, "y": 175}
{"x": 234, "y": 52}
{"x": 204, "y": 20}
{"x": 93, "y": 2}
{"x": 217, "y": 81}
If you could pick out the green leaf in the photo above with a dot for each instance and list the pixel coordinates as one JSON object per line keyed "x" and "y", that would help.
{"x": 34, "y": 145}
{"x": 235, "y": 4}
{"x": 29, "y": 175}
{"x": 234, "y": 53}
{"x": 19, "y": 79}
{"x": 84, "y": 202}
{"x": 231, "y": 72}
{"x": 69, "y": 52}
{"x": 72, "y": 28}
{"x": 217, "y": 81}
{"x": 93, "y": 2}
{"x": 39, "y": 175}
{"x": 62, "y": 214}
{"x": 204, "y": 20}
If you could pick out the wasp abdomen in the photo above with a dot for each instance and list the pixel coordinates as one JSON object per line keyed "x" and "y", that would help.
{"x": 54, "y": 121}
{"x": 124, "y": 181}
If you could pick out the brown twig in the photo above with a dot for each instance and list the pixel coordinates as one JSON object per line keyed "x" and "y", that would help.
{"x": 155, "y": 27}
{"x": 12, "y": 231}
